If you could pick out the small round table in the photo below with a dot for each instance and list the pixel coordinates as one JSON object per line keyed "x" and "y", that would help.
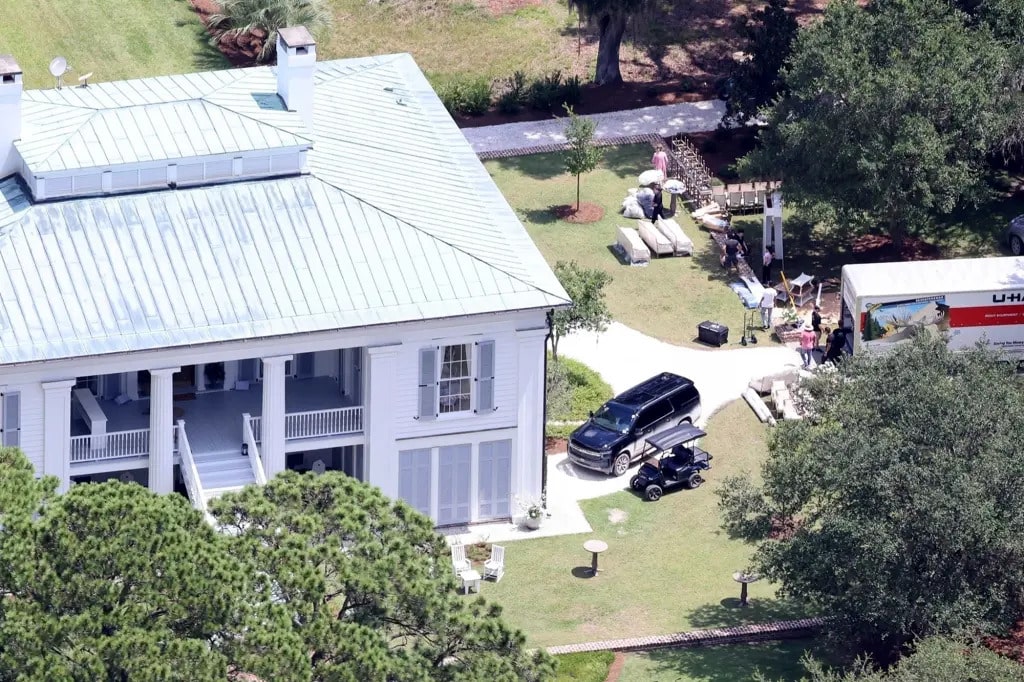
{"x": 595, "y": 547}
{"x": 744, "y": 579}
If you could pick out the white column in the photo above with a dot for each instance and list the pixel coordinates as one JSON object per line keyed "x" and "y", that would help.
{"x": 200, "y": 378}
{"x": 131, "y": 385}
{"x": 272, "y": 422}
{"x": 381, "y": 452}
{"x": 527, "y": 462}
{"x": 230, "y": 374}
{"x": 161, "y": 429}
{"x": 57, "y": 431}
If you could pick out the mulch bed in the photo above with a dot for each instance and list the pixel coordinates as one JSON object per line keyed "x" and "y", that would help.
{"x": 873, "y": 248}
{"x": 587, "y": 213}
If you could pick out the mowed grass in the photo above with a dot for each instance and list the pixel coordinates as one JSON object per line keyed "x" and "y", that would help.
{"x": 777, "y": 661}
{"x": 587, "y": 667}
{"x": 668, "y": 567}
{"x": 114, "y": 39}
{"x": 666, "y": 299}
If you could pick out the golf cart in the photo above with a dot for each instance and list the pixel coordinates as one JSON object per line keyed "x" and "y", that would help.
{"x": 677, "y": 462}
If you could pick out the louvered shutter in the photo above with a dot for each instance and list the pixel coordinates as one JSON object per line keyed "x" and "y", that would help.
{"x": 428, "y": 383}
{"x": 485, "y": 377}
{"x": 11, "y": 420}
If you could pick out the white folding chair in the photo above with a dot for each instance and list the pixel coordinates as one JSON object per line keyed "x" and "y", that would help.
{"x": 459, "y": 561}
{"x": 495, "y": 566}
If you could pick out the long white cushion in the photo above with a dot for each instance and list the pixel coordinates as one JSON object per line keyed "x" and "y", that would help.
{"x": 680, "y": 242}
{"x": 655, "y": 240}
{"x": 632, "y": 245}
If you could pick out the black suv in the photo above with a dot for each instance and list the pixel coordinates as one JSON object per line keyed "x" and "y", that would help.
{"x": 616, "y": 435}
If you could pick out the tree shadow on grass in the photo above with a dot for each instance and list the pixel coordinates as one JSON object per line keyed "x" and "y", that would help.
{"x": 543, "y": 166}
{"x": 728, "y": 613}
{"x": 542, "y": 216}
{"x": 627, "y": 162}
{"x": 776, "y": 660}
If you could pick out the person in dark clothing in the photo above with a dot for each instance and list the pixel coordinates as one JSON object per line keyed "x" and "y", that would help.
{"x": 835, "y": 346}
{"x": 659, "y": 208}
{"x": 741, "y": 238}
{"x": 816, "y": 325}
{"x": 732, "y": 249}
{"x": 766, "y": 266}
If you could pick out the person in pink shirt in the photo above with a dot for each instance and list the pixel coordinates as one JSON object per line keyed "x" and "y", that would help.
{"x": 660, "y": 161}
{"x": 807, "y": 343}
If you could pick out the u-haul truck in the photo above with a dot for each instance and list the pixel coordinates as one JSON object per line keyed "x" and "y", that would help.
{"x": 965, "y": 301}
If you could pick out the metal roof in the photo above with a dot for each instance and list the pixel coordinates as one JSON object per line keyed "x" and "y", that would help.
{"x": 397, "y": 221}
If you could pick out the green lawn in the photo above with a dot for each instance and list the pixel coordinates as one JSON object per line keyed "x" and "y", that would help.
{"x": 668, "y": 567}
{"x": 114, "y": 39}
{"x": 588, "y": 667}
{"x": 777, "y": 661}
{"x": 676, "y": 293}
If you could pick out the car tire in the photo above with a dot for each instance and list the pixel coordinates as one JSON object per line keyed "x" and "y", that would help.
{"x": 621, "y": 464}
{"x": 1016, "y": 245}
{"x": 694, "y": 481}
{"x": 684, "y": 420}
{"x": 633, "y": 483}
{"x": 653, "y": 493}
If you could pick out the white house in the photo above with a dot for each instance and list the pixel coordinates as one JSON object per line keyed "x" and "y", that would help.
{"x": 208, "y": 278}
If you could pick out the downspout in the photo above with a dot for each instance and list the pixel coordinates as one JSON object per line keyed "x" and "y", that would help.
{"x": 544, "y": 413}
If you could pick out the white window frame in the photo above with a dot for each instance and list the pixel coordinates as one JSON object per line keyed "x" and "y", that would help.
{"x": 468, "y": 377}
{"x": 5, "y": 437}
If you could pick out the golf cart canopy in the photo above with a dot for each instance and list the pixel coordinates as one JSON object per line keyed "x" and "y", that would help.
{"x": 668, "y": 439}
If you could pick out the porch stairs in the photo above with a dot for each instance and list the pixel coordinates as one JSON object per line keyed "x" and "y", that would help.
{"x": 222, "y": 472}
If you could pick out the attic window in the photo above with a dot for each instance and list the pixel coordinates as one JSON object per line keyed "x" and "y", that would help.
{"x": 8, "y": 78}
{"x": 301, "y": 50}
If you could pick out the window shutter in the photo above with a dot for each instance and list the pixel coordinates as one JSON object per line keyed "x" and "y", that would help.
{"x": 428, "y": 383}
{"x": 12, "y": 419}
{"x": 485, "y": 377}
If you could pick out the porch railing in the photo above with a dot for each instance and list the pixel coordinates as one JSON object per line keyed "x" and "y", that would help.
{"x": 111, "y": 445}
{"x": 189, "y": 472}
{"x": 255, "y": 461}
{"x": 338, "y": 421}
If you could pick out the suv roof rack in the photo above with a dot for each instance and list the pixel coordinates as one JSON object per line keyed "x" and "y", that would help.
{"x": 652, "y": 389}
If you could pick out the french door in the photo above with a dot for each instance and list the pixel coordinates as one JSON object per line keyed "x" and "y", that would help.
{"x": 494, "y": 480}
{"x": 454, "y": 484}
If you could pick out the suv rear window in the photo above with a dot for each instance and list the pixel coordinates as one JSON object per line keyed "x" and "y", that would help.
{"x": 683, "y": 399}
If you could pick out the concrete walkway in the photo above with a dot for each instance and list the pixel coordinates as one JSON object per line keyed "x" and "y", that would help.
{"x": 664, "y": 120}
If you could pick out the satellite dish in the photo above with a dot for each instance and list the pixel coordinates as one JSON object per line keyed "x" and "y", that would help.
{"x": 58, "y": 67}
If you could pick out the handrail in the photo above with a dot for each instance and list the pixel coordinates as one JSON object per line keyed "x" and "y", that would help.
{"x": 189, "y": 472}
{"x": 255, "y": 461}
{"x": 336, "y": 421}
{"x": 113, "y": 444}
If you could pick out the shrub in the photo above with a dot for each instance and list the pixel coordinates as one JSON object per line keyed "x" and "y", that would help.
{"x": 574, "y": 390}
{"x": 545, "y": 92}
{"x": 261, "y": 19}
{"x": 513, "y": 94}
{"x": 470, "y": 97}
{"x": 572, "y": 91}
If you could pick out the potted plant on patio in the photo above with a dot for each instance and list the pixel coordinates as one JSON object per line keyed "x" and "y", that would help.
{"x": 532, "y": 509}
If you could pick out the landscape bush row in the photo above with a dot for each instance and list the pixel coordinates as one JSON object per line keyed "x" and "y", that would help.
{"x": 470, "y": 96}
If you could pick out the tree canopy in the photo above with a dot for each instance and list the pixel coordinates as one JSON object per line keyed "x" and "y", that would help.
{"x": 258, "y": 21}
{"x": 896, "y": 506}
{"x": 610, "y": 18}
{"x": 314, "y": 579}
{"x": 890, "y": 112}
{"x": 589, "y": 311}
{"x": 363, "y": 588}
{"x": 112, "y": 582}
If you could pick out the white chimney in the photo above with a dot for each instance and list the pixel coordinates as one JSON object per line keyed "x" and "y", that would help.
{"x": 10, "y": 114}
{"x": 296, "y": 63}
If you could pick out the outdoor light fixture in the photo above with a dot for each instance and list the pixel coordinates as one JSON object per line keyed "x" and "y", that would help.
{"x": 245, "y": 449}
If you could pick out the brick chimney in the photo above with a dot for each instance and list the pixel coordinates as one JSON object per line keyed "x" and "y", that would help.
{"x": 10, "y": 114}
{"x": 296, "y": 64}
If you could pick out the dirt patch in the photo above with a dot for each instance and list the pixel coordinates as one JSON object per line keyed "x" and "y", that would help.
{"x": 499, "y": 7}
{"x": 874, "y": 248}
{"x": 586, "y": 213}
{"x": 617, "y": 516}
{"x": 555, "y": 446}
{"x": 615, "y": 669}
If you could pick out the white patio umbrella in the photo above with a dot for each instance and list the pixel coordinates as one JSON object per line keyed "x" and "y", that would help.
{"x": 650, "y": 177}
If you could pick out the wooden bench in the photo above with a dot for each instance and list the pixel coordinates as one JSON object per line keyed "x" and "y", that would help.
{"x": 88, "y": 409}
{"x": 657, "y": 242}
{"x": 634, "y": 248}
{"x": 682, "y": 244}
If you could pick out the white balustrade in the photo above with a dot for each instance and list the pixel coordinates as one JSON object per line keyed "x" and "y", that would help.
{"x": 338, "y": 421}
{"x": 255, "y": 461}
{"x": 318, "y": 423}
{"x": 111, "y": 445}
{"x": 189, "y": 472}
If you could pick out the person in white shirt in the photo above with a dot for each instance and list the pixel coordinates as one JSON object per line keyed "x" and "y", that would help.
{"x": 766, "y": 266}
{"x": 766, "y": 306}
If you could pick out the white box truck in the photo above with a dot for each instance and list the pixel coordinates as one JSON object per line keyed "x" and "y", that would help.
{"x": 964, "y": 300}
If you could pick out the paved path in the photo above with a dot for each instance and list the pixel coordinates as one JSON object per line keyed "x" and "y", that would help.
{"x": 664, "y": 120}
